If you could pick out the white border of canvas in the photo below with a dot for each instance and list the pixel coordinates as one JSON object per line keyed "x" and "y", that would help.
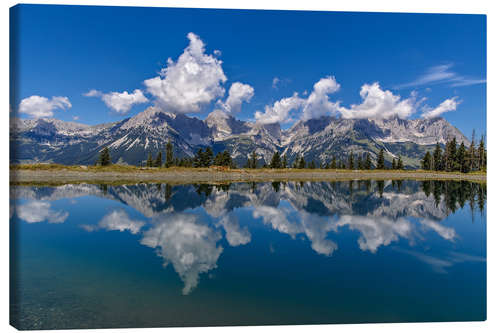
{"x": 491, "y": 8}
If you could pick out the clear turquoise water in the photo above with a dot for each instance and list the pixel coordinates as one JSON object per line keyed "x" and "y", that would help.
{"x": 90, "y": 256}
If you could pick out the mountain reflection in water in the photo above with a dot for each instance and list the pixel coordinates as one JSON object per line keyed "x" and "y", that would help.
{"x": 191, "y": 226}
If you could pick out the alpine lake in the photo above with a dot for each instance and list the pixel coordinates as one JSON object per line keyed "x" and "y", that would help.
{"x": 156, "y": 255}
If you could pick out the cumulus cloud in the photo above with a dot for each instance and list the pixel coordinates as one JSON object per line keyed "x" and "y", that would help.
{"x": 38, "y": 211}
{"x": 238, "y": 93}
{"x": 280, "y": 110}
{"x": 378, "y": 103}
{"x": 43, "y": 107}
{"x": 187, "y": 243}
{"x": 446, "y": 106}
{"x": 317, "y": 104}
{"x": 117, "y": 220}
{"x": 120, "y": 102}
{"x": 189, "y": 83}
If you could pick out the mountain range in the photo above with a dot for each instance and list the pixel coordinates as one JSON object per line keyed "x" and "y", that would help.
{"x": 131, "y": 139}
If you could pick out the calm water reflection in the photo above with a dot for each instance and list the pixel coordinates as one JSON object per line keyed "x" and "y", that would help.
{"x": 87, "y": 256}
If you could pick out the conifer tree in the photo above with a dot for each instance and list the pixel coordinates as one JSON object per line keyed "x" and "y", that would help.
{"x": 400, "y": 163}
{"x": 368, "y": 162}
{"x": 207, "y": 157}
{"x": 158, "y": 160}
{"x": 149, "y": 162}
{"x": 198, "y": 159}
{"x": 350, "y": 161}
{"x": 380, "y": 159}
{"x": 169, "y": 154}
{"x": 461, "y": 158}
{"x": 359, "y": 164}
{"x": 226, "y": 159}
{"x": 394, "y": 164}
{"x": 253, "y": 160}
{"x": 333, "y": 164}
{"x": 302, "y": 163}
{"x": 437, "y": 158}
{"x": 427, "y": 161}
{"x": 275, "y": 161}
{"x": 482, "y": 155}
{"x": 104, "y": 157}
{"x": 284, "y": 162}
{"x": 312, "y": 165}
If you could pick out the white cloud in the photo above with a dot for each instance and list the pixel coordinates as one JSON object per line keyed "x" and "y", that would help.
{"x": 235, "y": 235}
{"x": 119, "y": 220}
{"x": 192, "y": 81}
{"x": 448, "y": 105}
{"x": 276, "y": 80}
{"x": 440, "y": 265}
{"x": 39, "y": 211}
{"x": 120, "y": 102}
{"x": 187, "y": 243}
{"x": 238, "y": 93}
{"x": 378, "y": 103}
{"x": 93, "y": 93}
{"x": 280, "y": 110}
{"x": 43, "y": 107}
{"x": 441, "y": 74}
{"x": 318, "y": 103}
{"x": 376, "y": 231}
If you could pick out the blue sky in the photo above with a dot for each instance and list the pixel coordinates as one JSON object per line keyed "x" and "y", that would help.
{"x": 424, "y": 64}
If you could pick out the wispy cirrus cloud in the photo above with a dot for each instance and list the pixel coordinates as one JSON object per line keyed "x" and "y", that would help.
{"x": 441, "y": 74}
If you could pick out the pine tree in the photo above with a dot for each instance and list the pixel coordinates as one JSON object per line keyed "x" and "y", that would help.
{"x": 104, "y": 157}
{"x": 149, "y": 162}
{"x": 275, "y": 161}
{"x": 312, "y": 165}
{"x": 169, "y": 154}
{"x": 302, "y": 163}
{"x": 284, "y": 162}
{"x": 394, "y": 165}
{"x": 226, "y": 159}
{"x": 333, "y": 164}
{"x": 400, "y": 163}
{"x": 461, "y": 158}
{"x": 350, "y": 161}
{"x": 253, "y": 160}
{"x": 158, "y": 160}
{"x": 380, "y": 159}
{"x": 198, "y": 159}
{"x": 207, "y": 157}
{"x": 482, "y": 155}
{"x": 368, "y": 162}
{"x": 437, "y": 158}
{"x": 427, "y": 161}
{"x": 218, "y": 159}
{"x": 359, "y": 164}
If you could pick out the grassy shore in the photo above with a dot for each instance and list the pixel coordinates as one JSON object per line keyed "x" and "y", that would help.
{"x": 53, "y": 174}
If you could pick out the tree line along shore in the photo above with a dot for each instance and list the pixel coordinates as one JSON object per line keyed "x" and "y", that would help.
{"x": 453, "y": 158}
{"x": 452, "y": 162}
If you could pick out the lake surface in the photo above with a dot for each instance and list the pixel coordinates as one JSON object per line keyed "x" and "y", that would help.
{"x": 146, "y": 255}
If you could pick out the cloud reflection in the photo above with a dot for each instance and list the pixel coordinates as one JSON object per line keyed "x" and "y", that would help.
{"x": 38, "y": 211}
{"x": 186, "y": 242}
